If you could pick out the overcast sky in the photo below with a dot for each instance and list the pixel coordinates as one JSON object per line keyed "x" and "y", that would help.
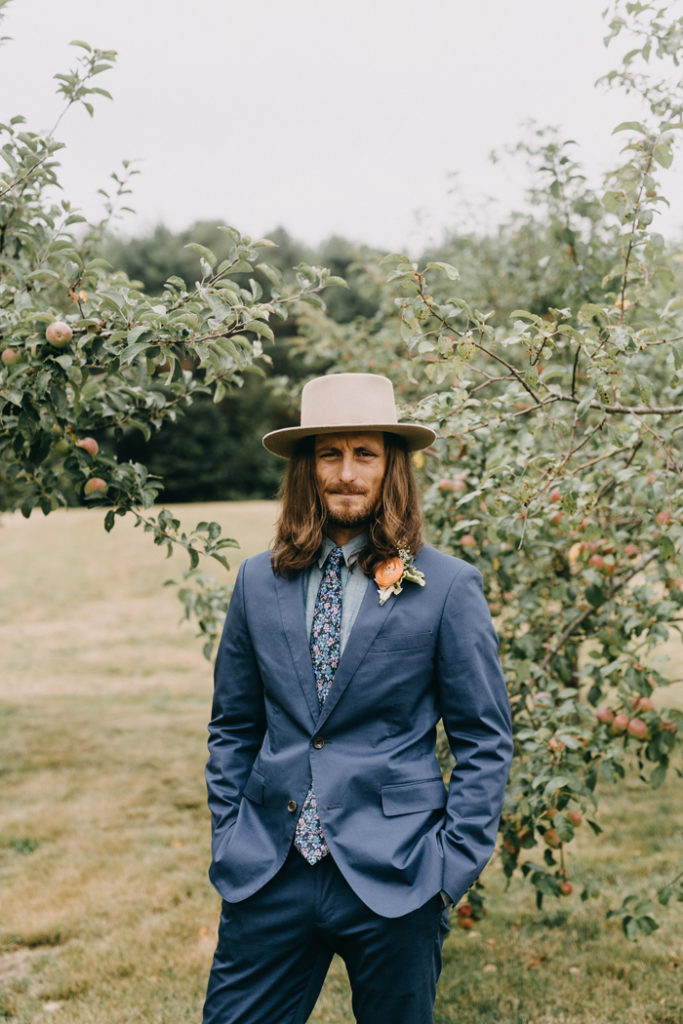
{"x": 325, "y": 117}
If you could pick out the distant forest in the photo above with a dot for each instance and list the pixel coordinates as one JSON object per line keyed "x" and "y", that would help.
{"x": 214, "y": 452}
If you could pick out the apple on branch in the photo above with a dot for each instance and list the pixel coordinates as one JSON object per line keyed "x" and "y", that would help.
{"x": 10, "y": 356}
{"x": 95, "y": 485}
{"x": 59, "y": 333}
{"x": 89, "y": 444}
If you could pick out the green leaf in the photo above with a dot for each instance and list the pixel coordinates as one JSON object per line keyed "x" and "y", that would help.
{"x": 630, "y": 126}
{"x": 203, "y": 252}
{"x": 131, "y": 351}
{"x": 137, "y": 332}
{"x": 667, "y": 548}
{"x": 261, "y": 328}
{"x": 558, "y": 782}
{"x": 613, "y": 201}
{"x": 663, "y": 154}
{"x": 524, "y": 314}
{"x": 222, "y": 559}
{"x": 595, "y": 595}
{"x": 335, "y": 282}
{"x": 451, "y": 272}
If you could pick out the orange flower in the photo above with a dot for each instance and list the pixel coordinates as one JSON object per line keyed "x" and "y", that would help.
{"x": 389, "y": 572}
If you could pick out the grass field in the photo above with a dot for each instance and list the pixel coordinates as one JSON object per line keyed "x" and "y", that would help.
{"x": 106, "y": 912}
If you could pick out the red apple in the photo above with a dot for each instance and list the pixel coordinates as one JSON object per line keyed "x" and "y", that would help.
{"x": 664, "y": 517}
{"x": 457, "y": 482}
{"x": 605, "y": 715}
{"x": 10, "y": 356}
{"x": 465, "y": 922}
{"x": 555, "y": 494}
{"x": 89, "y": 444}
{"x": 619, "y": 723}
{"x": 643, "y": 704}
{"x": 638, "y": 728}
{"x": 576, "y": 817}
{"x": 468, "y": 541}
{"x": 59, "y": 333}
{"x": 557, "y": 746}
{"x": 464, "y": 910}
{"x": 95, "y": 485}
{"x": 551, "y": 837}
{"x": 566, "y": 888}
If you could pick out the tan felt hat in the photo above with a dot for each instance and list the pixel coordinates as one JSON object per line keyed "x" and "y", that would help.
{"x": 347, "y": 402}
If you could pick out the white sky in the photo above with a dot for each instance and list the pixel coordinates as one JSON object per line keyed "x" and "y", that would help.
{"x": 325, "y": 117}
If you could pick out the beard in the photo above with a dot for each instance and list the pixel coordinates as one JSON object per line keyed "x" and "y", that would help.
{"x": 359, "y": 515}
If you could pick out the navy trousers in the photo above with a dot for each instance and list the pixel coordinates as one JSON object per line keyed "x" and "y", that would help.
{"x": 274, "y": 950}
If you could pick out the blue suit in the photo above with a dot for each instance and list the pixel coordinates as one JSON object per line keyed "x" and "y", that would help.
{"x": 395, "y": 833}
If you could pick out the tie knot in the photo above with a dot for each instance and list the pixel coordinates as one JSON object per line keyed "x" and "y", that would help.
{"x": 334, "y": 559}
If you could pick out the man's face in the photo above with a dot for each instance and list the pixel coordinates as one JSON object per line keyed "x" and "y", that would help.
{"x": 349, "y": 470}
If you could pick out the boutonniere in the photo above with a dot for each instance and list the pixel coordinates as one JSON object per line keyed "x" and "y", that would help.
{"x": 389, "y": 575}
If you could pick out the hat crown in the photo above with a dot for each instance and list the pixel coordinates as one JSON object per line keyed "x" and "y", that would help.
{"x": 351, "y": 403}
{"x": 347, "y": 399}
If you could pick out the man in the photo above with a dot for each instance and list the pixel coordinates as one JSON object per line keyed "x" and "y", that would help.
{"x": 333, "y": 831}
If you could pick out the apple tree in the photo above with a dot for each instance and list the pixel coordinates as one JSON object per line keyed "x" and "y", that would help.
{"x": 87, "y": 354}
{"x": 559, "y": 468}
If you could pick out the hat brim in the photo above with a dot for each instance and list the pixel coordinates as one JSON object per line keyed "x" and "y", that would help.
{"x": 284, "y": 442}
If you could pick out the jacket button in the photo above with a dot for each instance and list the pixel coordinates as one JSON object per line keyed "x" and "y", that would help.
{"x": 318, "y": 743}
{"x": 291, "y": 806}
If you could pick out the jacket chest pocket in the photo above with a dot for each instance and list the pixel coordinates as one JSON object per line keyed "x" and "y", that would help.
{"x": 404, "y": 642}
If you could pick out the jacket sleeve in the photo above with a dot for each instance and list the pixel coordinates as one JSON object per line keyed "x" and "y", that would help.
{"x": 237, "y": 725}
{"x": 476, "y": 716}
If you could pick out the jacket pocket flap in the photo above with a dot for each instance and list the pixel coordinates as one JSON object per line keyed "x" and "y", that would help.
{"x": 402, "y": 642}
{"x": 411, "y": 797}
{"x": 254, "y": 788}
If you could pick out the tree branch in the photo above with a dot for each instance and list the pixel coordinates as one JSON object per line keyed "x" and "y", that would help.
{"x": 582, "y": 616}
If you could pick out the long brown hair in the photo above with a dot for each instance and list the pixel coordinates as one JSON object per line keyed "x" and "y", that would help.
{"x": 397, "y": 521}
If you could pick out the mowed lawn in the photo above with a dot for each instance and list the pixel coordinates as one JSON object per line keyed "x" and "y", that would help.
{"x": 106, "y": 912}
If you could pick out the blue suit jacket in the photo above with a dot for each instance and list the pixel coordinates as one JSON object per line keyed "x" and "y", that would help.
{"x": 395, "y": 833}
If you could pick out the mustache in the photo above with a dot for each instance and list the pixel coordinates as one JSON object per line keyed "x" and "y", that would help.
{"x": 345, "y": 490}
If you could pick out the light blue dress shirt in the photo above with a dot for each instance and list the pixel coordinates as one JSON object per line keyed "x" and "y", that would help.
{"x": 354, "y": 584}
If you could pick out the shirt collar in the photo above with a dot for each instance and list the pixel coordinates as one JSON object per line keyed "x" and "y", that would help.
{"x": 350, "y": 549}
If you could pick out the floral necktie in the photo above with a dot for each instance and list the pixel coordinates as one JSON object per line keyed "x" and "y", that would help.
{"x": 325, "y": 645}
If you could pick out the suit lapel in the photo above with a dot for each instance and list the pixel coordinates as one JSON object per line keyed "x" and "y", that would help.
{"x": 370, "y": 619}
{"x": 290, "y": 595}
